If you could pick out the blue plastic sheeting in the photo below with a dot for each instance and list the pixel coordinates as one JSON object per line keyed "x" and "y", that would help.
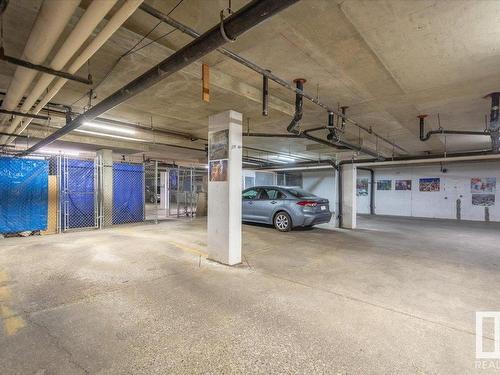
{"x": 128, "y": 193}
{"x": 78, "y": 194}
{"x": 23, "y": 194}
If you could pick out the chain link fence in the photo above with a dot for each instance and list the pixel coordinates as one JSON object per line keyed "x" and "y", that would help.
{"x": 65, "y": 193}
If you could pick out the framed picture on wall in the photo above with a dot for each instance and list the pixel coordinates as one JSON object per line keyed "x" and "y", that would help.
{"x": 362, "y": 187}
{"x": 218, "y": 145}
{"x": 402, "y": 185}
{"x": 429, "y": 184}
{"x": 218, "y": 170}
{"x": 384, "y": 184}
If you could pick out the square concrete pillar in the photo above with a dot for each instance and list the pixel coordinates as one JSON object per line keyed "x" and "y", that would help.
{"x": 349, "y": 174}
{"x": 224, "y": 187}
{"x": 105, "y": 158}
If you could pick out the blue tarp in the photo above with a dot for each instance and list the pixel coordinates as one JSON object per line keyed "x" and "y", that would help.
{"x": 128, "y": 193}
{"x": 23, "y": 194}
{"x": 78, "y": 197}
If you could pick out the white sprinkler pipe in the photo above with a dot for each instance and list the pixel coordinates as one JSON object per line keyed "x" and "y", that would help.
{"x": 94, "y": 14}
{"x": 49, "y": 24}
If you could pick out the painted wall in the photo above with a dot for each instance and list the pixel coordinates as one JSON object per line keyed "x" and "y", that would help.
{"x": 455, "y": 185}
{"x": 322, "y": 183}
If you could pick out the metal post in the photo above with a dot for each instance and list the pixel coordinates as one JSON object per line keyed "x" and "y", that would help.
{"x": 178, "y": 188}
{"x": 156, "y": 191}
{"x": 191, "y": 194}
{"x": 144, "y": 192}
{"x": 96, "y": 192}
{"x": 59, "y": 195}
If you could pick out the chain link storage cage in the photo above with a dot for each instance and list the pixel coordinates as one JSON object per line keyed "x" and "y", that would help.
{"x": 29, "y": 194}
{"x": 78, "y": 193}
{"x": 187, "y": 183}
{"x": 127, "y": 193}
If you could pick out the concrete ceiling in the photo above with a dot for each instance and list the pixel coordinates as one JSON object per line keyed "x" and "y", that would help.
{"x": 388, "y": 60}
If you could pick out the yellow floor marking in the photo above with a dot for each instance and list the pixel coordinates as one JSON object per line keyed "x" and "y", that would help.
{"x": 188, "y": 249}
{"x": 6, "y": 312}
{"x": 13, "y": 324}
{"x": 4, "y": 293}
{"x": 3, "y": 277}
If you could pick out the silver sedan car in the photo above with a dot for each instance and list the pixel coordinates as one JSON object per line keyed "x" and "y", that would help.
{"x": 284, "y": 207}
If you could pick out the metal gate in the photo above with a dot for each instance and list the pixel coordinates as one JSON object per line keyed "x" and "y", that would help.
{"x": 78, "y": 198}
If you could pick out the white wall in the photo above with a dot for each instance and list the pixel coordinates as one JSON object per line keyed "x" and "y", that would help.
{"x": 323, "y": 184}
{"x": 455, "y": 184}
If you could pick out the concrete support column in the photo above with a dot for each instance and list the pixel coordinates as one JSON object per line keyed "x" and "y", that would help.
{"x": 106, "y": 187}
{"x": 224, "y": 187}
{"x": 349, "y": 174}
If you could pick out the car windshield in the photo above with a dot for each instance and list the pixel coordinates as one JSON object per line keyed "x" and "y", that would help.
{"x": 300, "y": 193}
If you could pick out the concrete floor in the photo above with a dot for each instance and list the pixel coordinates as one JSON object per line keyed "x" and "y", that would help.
{"x": 396, "y": 296}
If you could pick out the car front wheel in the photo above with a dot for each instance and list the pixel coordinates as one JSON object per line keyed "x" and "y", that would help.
{"x": 282, "y": 222}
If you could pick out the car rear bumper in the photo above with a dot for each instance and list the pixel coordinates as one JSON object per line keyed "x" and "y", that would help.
{"x": 315, "y": 218}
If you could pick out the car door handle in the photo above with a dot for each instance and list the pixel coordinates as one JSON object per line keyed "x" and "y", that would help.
{"x": 274, "y": 202}
{"x": 250, "y": 202}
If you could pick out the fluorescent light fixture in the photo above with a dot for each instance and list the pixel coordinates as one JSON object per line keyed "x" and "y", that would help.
{"x": 111, "y": 128}
{"x": 53, "y": 151}
{"x": 282, "y": 158}
{"x": 110, "y": 135}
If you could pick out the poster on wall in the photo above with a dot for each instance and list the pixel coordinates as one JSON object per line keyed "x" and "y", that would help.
{"x": 429, "y": 184}
{"x": 362, "y": 187}
{"x": 483, "y": 199}
{"x": 219, "y": 145}
{"x": 403, "y": 185}
{"x": 218, "y": 170}
{"x": 482, "y": 185}
{"x": 384, "y": 185}
{"x": 483, "y": 191}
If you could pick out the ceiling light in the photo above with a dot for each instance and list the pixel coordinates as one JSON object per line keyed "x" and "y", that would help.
{"x": 281, "y": 158}
{"x": 59, "y": 152}
{"x": 111, "y": 128}
{"x": 110, "y": 135}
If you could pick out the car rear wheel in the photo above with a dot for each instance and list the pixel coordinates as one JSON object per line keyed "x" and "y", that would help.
{"x": 282, "y": 222}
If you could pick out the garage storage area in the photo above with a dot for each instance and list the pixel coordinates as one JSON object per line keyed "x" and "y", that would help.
{"x": 249, "y": 186}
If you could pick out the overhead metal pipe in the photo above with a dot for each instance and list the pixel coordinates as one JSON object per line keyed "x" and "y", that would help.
{"x": 247, "y": 17}
{"x": 494, "y": 124}
{"x": 299, "y": 103}
{"x": 434, "y": 158}
{"x": 42, "y": 68}
{"x": 347, "y": 145}
{"x": 249, "y": 64}
{"x": 3, "y": 6}
{"x": 271, "y": 135}
{"x": 424, "y": 137}
{"x": 17, "y": 113}
{"x": 265, "y": 96}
